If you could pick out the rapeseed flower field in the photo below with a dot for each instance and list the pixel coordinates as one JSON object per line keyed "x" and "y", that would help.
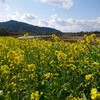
{"x": 35, "y": 69}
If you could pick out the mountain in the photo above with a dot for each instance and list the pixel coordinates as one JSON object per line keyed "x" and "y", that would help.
{"x": 15, "y": 26}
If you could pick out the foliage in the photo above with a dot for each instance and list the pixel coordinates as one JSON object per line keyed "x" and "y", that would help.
{"x": 33, "y": 69}
{"x": 4, "y": 32}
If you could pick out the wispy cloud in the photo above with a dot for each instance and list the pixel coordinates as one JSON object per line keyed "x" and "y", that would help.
{"x": 59, "y": 3}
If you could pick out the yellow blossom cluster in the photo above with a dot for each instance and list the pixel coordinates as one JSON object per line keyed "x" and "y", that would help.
{"x": 36, "y": 95}
{"x": 88, "y": 77}
{"x": 95, "y": 95}
{"x": 48, "y": 75}
{"x": 31, "y": 67}
{"x": 15, "y": 56}
{"x": 60, "y": 55}
{"x": 62, "y": 70}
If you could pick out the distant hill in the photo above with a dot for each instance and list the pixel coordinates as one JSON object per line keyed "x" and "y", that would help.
{"x": 21, "y": 27}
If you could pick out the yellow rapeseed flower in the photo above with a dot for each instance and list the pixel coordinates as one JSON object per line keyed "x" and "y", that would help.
{"x": 31, "y": 66}
{"x": 93, "y": 96}
{"x": 36, "y": 95}
{"x": 88, "y": 77}
{"x": 95, "y": 64}
{"x": 42, "y": 83}
{"x": 15, "y": 56}
{"x": 48, "y": 75}
{"x": 72, "y": 66}
{"x": 26, "y": 35}
{"x": 13, "y": 84}
{"x": 93, "y": 91}
{"x": 62, "y": 56}
{"x": 52, "y": 62}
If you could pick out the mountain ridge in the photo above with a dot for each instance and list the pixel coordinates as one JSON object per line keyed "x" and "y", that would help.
{"x": 17, "y": 26}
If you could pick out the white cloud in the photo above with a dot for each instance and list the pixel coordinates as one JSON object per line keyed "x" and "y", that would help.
{"x": 43, "y": 23}
{"x": 74, "y": 25}
{"x": 59, "y": 3}
{"x": 28, "y": 18}
{"x": 98, "y": 20}
{"x": 65, "y": 25}
{"x": 15, "y": 16}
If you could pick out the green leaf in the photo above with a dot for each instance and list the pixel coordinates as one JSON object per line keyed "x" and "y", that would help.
{"x": 84, "y": 96}
{"x": 7, "y": 97}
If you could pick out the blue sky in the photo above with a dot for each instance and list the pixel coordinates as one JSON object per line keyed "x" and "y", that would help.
{"x": 64, "y": 15}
